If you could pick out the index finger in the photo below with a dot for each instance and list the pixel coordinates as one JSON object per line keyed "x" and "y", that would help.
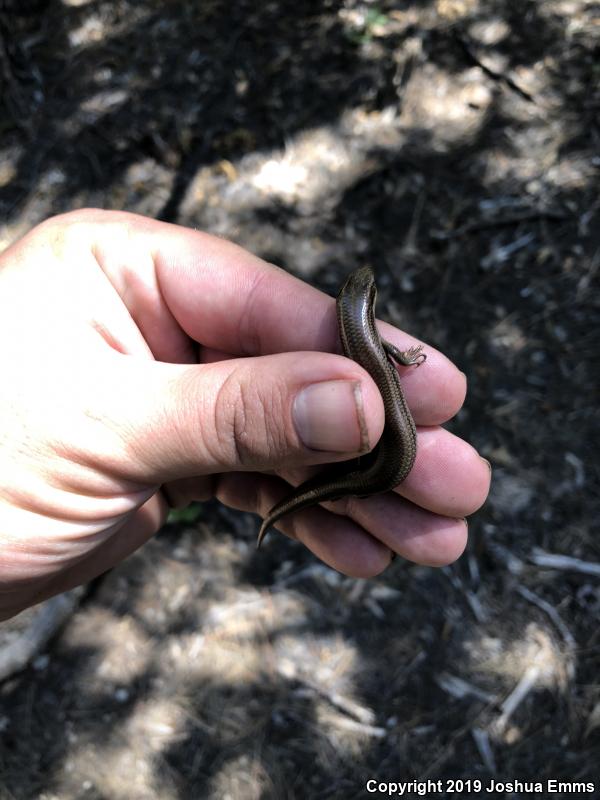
{"x": 230, "y": 300}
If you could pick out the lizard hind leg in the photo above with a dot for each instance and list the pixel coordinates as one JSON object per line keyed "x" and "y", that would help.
{"x": 414, "y": 355}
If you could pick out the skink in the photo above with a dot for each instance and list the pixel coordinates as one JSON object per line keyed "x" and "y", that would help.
{"x": 393, "y": 457}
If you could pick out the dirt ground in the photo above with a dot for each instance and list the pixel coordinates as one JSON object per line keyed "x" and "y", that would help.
{"x": 453, "y": 146}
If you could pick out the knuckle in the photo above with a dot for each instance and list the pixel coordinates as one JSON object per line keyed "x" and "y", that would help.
{"x": 248, "y": 420}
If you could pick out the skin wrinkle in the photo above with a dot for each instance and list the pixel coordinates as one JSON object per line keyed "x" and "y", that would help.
{"x": 180, "y": 413}
{"x": 107, "y": 337}
{"x": 67, "y": 550}
{"x": 261, "y": 428}
{"x": 82, "y": 456}
{"x": 203, "y": 410}
{"x": 132, "y": 343}
{"x": 123, "y": 446}
{"x": 49, "y": 504}
{"x": 239, "y": 425}
{"x": 85, "y": 480}
{"x": 148, "y": 304}
{"x": 275, "y": 436}
{"x": 249, "y": 341}
{"x": 236, "y": 424}
{"x": 189, "y": 348}
{"x": 224, "y": 422}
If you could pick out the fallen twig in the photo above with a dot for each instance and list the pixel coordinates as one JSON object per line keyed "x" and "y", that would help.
{"x": 552, "y": 613}
{"x": 566, "y": 563}
{"x": 49, "y": 618}
{"x": 482, "y": 742}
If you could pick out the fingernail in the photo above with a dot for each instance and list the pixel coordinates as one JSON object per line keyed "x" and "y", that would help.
{"x": 330, "y": 416}
{"x": 489, "y": 466}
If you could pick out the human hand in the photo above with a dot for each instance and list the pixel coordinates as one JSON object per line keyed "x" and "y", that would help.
{"x": 104, "y": 402}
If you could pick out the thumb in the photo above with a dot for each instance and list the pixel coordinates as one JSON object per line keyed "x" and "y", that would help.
{"x": 263, "y": 413}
